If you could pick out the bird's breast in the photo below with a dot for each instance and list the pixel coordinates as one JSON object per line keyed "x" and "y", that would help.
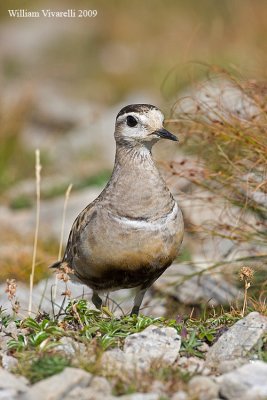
{"x": 117, "y": 242}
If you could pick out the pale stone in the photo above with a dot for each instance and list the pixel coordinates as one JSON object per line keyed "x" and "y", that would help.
{"x": 238, "y": 341}
{"x": 9, "y": 363}
{"x": 248, "y": 382}
{"x": 100, "y": 385}
{"x": 203, "y": 388}
{"x": 58, "y": 386}
{"x": 11, "y": 385}
{"x": 154, "y": 343}
{"x": 141, "y": 350}
{"x": 180, "y": 395}
{"x": 88, "y": 393}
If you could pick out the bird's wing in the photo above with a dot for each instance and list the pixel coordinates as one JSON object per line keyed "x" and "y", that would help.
{"x": 78, "y": 226}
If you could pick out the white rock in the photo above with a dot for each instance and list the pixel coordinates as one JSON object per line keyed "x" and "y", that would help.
{"x": 158, "y": 387}
{"x": 141, "y": 396}
{"x": 193, "y": 365}
{"x": 203, "y": 388}
{"x": 228, "y": 365}
{"x": 248, "y": 382}
{"x": 11, "y": 385}
{"x": 217, "y": 100}
{"x": 88, "y": 393}
{"x": 239, "y": 340}
{"x": 115, "y": 362}
{"x": 70, "y": 347}
{"x": 8, "y": 394}
{"x": 154, "y": 343}
{"x": 180, "y": 395}
{"x": 100, "y": 385}
{"x": 4, "y": 340}
{"x": 58, "y": 386}
{"x": 141, "y": 350}
{"x": 11, "y": 329}
{"x": 9, "y": 363}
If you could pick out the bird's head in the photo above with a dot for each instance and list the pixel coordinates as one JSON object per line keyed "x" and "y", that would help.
{"x": 141, "y": 124}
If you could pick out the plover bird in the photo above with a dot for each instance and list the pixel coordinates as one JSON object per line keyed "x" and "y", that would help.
{"x": 132, "y": 232}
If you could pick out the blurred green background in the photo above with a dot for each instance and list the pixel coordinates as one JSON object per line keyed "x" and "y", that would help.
{"x": 132, "y": 45}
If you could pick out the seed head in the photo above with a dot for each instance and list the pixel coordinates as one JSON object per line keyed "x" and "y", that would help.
{"x": 246, "y": 274}
{"x": 11, "y": 287}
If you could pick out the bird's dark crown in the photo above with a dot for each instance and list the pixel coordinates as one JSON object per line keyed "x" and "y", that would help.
{"x": 137, "y": 108}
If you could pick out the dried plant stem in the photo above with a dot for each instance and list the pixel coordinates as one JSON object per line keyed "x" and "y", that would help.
{"x": 245, "y": 302}
{"x": 38, "y": 168}
{"x": 67, "y": 195}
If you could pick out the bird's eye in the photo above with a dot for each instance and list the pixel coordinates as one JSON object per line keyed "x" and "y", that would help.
{"x": 131, "y": 121}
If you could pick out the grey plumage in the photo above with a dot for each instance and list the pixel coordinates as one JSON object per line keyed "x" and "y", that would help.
{"x": 132, "y": 232}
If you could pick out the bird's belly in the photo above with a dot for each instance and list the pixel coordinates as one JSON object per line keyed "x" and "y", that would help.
{"x": 137, "y": 246}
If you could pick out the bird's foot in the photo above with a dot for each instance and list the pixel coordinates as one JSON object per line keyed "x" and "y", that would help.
{"x": 135, "y": 311}
{"x": 97, "y": 301}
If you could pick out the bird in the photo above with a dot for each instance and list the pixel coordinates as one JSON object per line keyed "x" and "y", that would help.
{"x": 132, "y": 232}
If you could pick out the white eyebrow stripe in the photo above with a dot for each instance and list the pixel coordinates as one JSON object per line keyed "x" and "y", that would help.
{"x": 144, "y": 118}
{"x": 124, "y": 116}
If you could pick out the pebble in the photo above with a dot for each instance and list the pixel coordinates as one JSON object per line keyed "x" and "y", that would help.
{"x": 248, "y": 382}
{"x": 58, "y": 386}
{"x": 11, "y": 385}
{"x": 9, "y": 363}
{"x": 154, "y": 343}
{"x": 180, "y": 395}
{"x": 141, "y": 350}
{"x": 203, "y": 388}
{"x": 238, "y": 340}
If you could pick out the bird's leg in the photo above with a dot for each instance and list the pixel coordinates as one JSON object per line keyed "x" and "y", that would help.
{"x": 97, "y": 301}
{"x": 138, "y": 300}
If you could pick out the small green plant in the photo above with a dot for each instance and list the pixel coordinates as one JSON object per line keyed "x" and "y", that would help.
{"x": 40, "y": 335}
{"x": 39, "y": 354}
{"x": 36, "y": 367}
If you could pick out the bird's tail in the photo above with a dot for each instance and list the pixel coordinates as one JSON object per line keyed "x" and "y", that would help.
{"x": 56, "y": 264}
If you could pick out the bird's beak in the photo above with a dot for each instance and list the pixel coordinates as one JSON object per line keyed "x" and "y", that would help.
{"x": 164, "y": 134}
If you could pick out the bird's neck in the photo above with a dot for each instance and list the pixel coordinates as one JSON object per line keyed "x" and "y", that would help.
{"x": 136, "y": 188}
{"x": 137, "y": 155}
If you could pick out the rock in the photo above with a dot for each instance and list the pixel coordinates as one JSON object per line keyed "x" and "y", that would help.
{"x": 101, "y": 385}
{"x": 70, "y": 347}
{"x": 203, "y": 388}
{"x": 11, "y": 386}
{"x": 11, "y": 330}
{"x": 140, "y": 396}
{"x": 204, "y": 347}
{"x": 9, "y": 363}
{"x": 8, "y": 394}
{"x": 154, "y": 343}
{"x": 218, "y": 100}
{"x": 180, "y": 395}
{"x": 193, "y": 365}
{"x": 228, "y": 365}
{"x": 90, "y": 394}
{"x": 141, "y": 350}
{"x": 196, "y": 289}
{"x": 115, "y": 362}
{"x": 248, "y": 382}
{"x": 158, "y": 387}
{"x": 87, "y": 393}
{"x": 58, "y": 386}
{"x": 238, "y": 341}
{"x": 4, "y": 341}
